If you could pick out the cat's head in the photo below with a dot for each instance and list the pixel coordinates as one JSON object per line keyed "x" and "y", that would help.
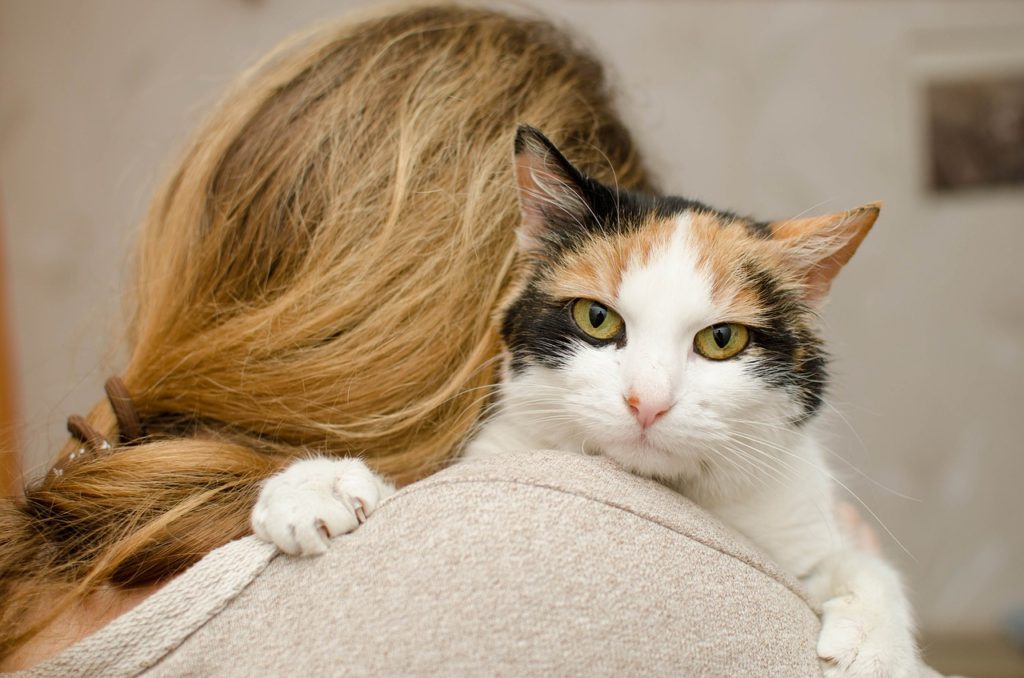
{"x": 659, "y": 331}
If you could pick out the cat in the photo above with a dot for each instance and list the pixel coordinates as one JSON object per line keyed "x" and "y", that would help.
{"x": 681, "y": 342}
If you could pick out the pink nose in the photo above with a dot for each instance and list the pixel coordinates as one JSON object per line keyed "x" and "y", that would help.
{"x": 647, "y": 410}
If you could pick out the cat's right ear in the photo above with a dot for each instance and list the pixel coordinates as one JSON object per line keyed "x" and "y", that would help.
{"x": 553, "y": 194}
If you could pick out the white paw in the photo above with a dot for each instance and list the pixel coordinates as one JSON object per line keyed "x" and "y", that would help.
{"x": 313, "y": 500}
{"x": 860, "y": 641}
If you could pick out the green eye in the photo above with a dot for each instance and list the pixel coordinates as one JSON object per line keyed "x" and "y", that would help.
{"x": 721, "y": 341}
{"x": 596, "y": 319}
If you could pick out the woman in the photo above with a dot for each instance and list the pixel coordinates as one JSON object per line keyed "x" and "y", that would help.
{"x": 317, "y": 275}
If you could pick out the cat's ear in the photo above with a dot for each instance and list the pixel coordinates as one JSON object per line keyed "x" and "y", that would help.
{"x": 554, "y": 196}
{"x": 821, "y": 246}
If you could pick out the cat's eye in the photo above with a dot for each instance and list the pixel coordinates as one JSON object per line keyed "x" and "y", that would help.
{"x": 596, "y": 319}
{"x": 721, "y": 341}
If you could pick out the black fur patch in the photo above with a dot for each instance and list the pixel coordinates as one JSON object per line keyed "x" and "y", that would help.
{"x": 789, "y": 354}
{"x": 538, "y": 330}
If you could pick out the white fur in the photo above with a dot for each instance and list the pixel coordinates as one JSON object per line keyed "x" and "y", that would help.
{"x": 725, "y": 443}
{"x": 313, "y": 500}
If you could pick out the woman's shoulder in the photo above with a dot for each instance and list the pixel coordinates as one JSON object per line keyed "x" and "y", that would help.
{"x": 143, "y": 636}
{"x": 526, "y": 562}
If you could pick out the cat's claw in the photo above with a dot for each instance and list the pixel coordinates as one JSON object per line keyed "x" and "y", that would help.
{"x": 360, "y": 508}
{"x": 857, "y": 641}
{"x": 302, "y": 508}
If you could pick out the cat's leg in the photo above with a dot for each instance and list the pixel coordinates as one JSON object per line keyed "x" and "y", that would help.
{"x": 313, "y": 500}
{"x": 867, "y": 627}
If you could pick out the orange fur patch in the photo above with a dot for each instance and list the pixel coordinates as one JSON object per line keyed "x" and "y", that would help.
{"x": 721, "y": 249}
{"x": 595, "y": 272}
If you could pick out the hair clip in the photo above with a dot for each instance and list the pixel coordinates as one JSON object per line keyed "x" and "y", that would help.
{"x": 129, "y": 425}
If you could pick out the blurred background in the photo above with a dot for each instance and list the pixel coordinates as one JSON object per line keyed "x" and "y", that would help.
{"x": 770, "y": 108}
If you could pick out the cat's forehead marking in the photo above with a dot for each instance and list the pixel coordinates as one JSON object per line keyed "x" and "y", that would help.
{"x": 715, "y": 248}
{"x": 595, "y": 270}
{"x": 724, "y": 250}
{"x": 667, "y": 291}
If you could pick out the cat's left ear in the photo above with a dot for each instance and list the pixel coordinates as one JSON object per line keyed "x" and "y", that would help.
{"x": 554, "y": 196}
{"x": 821, "y": 246}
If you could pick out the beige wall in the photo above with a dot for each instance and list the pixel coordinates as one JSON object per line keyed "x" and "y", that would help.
{"x": 771, "y": 108}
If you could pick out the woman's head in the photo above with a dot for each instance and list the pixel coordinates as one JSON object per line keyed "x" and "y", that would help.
{"x": 319, "y": 274}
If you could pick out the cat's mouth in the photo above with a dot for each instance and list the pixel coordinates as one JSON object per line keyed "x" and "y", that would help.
{"x": 648, "y": 460}
{"x": 650, "y": 440}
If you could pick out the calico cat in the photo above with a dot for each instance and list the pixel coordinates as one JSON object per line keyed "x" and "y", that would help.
{"x": 681, "y": 342}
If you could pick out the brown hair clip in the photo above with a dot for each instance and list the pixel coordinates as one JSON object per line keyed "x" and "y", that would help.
{"x": 129, "y": 425}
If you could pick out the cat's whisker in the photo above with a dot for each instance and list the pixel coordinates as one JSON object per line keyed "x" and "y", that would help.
{"x": 841, "y": 484}
{"x": 850, "y": 465}
{"x": 863, "y": 448}
{"x": 822, "y": 502}
{"x": 792, "y": 478}
{"x": 743, "y": 471}
{"x": 765, "y": 464}
{"x": 756, "y": 468}
{"x": 846, "y": 421}
{"x": 762, "y": 424}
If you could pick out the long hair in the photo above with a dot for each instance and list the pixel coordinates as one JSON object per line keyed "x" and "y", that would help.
{"x": 319, "y": 274}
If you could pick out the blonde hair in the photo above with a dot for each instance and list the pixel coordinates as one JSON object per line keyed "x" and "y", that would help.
{"x": 319, "y": 275}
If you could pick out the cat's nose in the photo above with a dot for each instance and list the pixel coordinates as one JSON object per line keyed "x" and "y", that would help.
{"x": 647, "y": 409}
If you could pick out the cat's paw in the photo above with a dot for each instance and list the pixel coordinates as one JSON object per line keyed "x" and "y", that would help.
{"x": 861, "y": 641}
{"x": 312, "y": 500}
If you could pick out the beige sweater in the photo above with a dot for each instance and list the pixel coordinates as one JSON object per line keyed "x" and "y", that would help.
{"x": 537, "y": 563}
